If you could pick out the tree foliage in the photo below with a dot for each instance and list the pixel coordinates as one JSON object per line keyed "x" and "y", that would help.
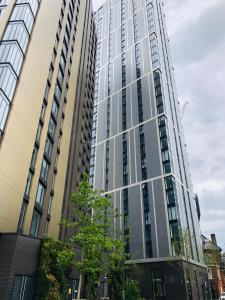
{"x": 102, "y": 252}
{"x": 132, "y": 290}
{"x": 56, "y": 259}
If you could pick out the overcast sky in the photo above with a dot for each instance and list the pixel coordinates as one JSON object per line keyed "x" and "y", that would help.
{"x": 197, "y": 37}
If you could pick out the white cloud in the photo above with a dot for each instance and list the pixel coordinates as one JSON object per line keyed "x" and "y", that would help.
{"x": 197, "y": 38}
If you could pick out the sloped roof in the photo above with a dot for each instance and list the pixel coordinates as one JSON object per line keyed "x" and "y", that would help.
{"x": 209, "y": 245}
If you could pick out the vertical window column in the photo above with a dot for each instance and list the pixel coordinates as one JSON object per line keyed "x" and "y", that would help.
{"x": 174, "y": 222}
{"x": 147, "y": 220}
{"x": 138, "y": 60}
{"x": 125, "y": 159}
{"x": 124, "y": 109}
{"x": 150, "y": 17}
{"x": 123, "y": 37}
{"x": 135, "y": 29}
{"x": 140, "y": 104}
{"x": 109, "y": 78}
{"x": 110, "y": 47}
{"x": 108, "y": 117}
{"x": 154, "y": 51}
{"x": 122, "y": 11}
{"x": 143, "y": 153}
{"x": 3, "y": 5}
{"x": 123, "y": 62}
{"x": 158, "y": 92}
{"x": 107, "y": 166}
{"x": 164, "y": 144}
{"x": 126, "y": 220}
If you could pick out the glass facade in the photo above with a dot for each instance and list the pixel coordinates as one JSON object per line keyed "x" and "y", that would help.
{"x": 12, "y": 51}
{"x": 137, "y": 129}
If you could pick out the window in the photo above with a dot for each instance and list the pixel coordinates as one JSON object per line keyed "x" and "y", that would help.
{"x": 38, "y": 136}
{"x": 52, "y": 127}
{"x": 22, "y": 215}
{"x": 48, "y": 148}
{"x": 55, "y": 108}
{"x": 46, "y": 227}
{"x": 3, "y": 5}
{"x": 34, "y": 156}
{"x": 109, "y": 78}
{"x": 23, "y": 287}
{"x": 50, "y": 205}
{"x": 35, "y": 224}
{"x": 150, "y": 18}
{"x": 40, "y": 194}
{"x": 4, "y": 109}
{"x": 57, "y": 92}
{"x": 43, "y": 109}
{"x": 23, "y": 13}
{"x": 158, "y": 283}
{"x": 122, "y": 11}
{"x": 123, "y": 61}
{"x": 135, "y": 29}
{"x": 28, "y": 184}
{"x": 123, "y": 37}
{"x": 7, "y": 81}
{"x": 138, "y": 61}
{"x": 44, "y": 169}
{"x": 173, "y": 215}
{"x": 154, "y": 51}
{"x": 10, "y": 53}
{"x": 53, "y": 181}
{"x": 33, "y": 4}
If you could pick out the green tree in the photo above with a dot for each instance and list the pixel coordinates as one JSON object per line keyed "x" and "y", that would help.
{"x": 102, "y": 252}
{"x": 56, "y": 260}
{"x": 132, "y": 290}
{"x": 182, "y": 247}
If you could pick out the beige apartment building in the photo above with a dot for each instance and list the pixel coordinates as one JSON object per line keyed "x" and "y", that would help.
{"x": 47, "y": 67}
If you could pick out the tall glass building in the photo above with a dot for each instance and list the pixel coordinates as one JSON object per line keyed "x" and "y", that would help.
{"x": 47, "y": 68}
{"x": 138, "y": 149}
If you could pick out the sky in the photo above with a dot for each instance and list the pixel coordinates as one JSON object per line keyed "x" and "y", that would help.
{"x": 197, "y": 40}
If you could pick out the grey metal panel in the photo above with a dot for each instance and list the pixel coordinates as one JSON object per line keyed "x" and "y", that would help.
{"x": 152, "y": 149}
{"x": 146, "y": 99}
{"x": 141, "y": 24}
{"x": 111, "y": 163}
{"x": 117, "y": 78}
{"x": 138, "y": 154}
{"x": 129, "y": 70}
{"x": 135, "y": 224}
{"x": 104, "y": 51}
{"x": 129, "y": 116}
{"x": 135, "y": 117}
{"x": 153, "y": 103}
{"x": 132, "y": 157}
{"x": 146, "y": 55}
{"x": 161, "y": 219}
{"x": 102, "y": 121}
{"x": 130, "y": 36}
{"x": 114, "y": 43}
{"x": 152, "y": 216}
{"x": 105, "y": 28}
{"x": 102, "y": 80}
{"x": 119, "y": 161}
{"x": 99, "y": 167}
{"x": 114, "y": 115}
